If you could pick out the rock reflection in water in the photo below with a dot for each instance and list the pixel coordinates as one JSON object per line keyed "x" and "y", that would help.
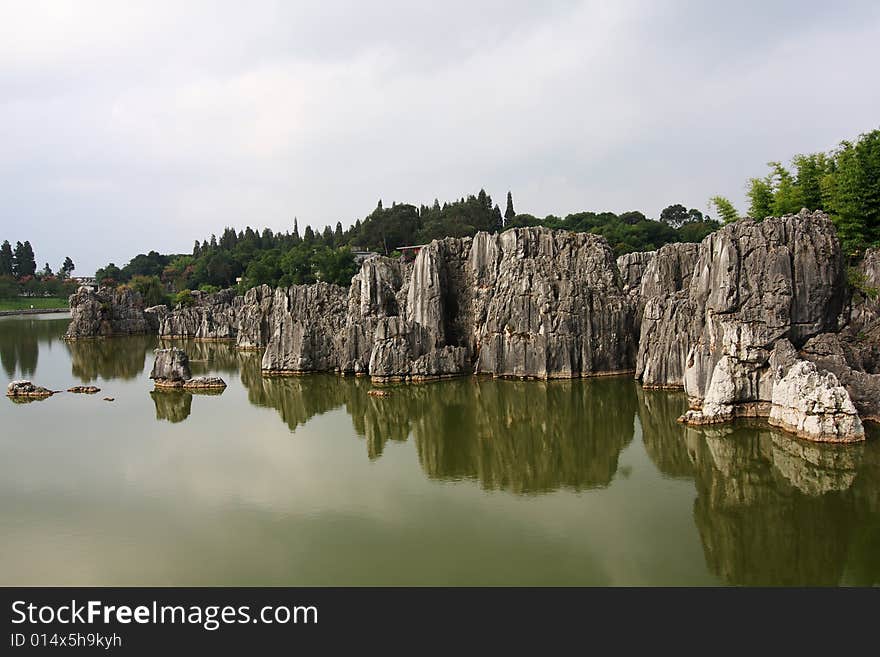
{"x": 774, "y": 510}
{"x": 122, "y": 357}
{"x": 297, "y": 398}
{"x": 525, "y": 437}
{"x": 172, "y": 405}
{"x": 213, "y": 356}
{"x": 662, "y": 435}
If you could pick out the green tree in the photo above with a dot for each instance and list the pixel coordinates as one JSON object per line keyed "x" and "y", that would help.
{"x": 67, "y": 268}
{"x": 7, "y": 259}
{"x": 109, "y": 275}
{"x": 509, "y": 212}
{"x": 787, "y": 197}
{"x": 151, "y": 290}
{"x": 760, "y": 195}
{"x": 24, "y": 262}
{"x": 811, "y": 169}
{"x": 335, "y": 266}
{"x": 724, "y": 208}
{"x": 674, "y": 215}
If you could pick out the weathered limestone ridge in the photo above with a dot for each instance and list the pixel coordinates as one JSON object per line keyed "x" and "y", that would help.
{"x": 753, "y": 321}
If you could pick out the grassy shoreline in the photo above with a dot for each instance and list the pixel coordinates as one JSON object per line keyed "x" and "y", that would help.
{"x": 38, "y": 303}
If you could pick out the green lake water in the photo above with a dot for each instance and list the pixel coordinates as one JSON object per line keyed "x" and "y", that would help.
{"x": 310, "y": 481}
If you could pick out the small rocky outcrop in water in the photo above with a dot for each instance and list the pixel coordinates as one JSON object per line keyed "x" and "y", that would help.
{"x": 26, "y": 389}
{"x": 105, "y": 312}
{"x": 171, "y": 370}
{"x": 85, "y": 390}
{"x": 171, "y": 367}
{"x": 204, "y": 383}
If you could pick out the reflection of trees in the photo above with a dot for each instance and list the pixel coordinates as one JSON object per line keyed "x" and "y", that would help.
{"x": 772, "y": 509}
{"x": 20, "y": 339}
{"x": 208, "y": 356}
{"x": 662, "y": 434}
{"x": 296, "y": 398}
{"x": 122, "y": 357}
{"x": 522, "y": 436}
{"x": 172, "y": 405}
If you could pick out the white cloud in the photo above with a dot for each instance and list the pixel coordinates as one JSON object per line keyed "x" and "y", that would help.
{"x": 131, "y": 126}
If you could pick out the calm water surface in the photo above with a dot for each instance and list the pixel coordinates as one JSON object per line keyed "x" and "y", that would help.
{"x": 310, "y": 481}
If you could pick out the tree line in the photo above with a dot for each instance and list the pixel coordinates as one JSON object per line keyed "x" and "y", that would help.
{"x": 844, "y": 182}
{"x": 291, "y": 257}
{"x": 19, "y": 275}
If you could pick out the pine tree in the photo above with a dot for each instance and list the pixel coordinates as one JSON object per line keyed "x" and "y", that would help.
{"x": 7, "y": 260}
{"x": 308, "y": 235}
{"x": 197, "y": 249}
{"x": 509, "y": 213}
{"x": 497, "y": 220}
{"x": 296, "y": 229}
{"x": 338, "y": 235}
{"x": 24, "y": 263}
{"x": 67, "y": 267}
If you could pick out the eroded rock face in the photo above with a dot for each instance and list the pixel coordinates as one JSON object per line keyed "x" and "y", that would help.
{"x": 306, "y": 326}
{"x": 756, "y": 283}
{"x": 171, "y": 367}
{"x": 210, "y": 317}
{"x": 549, "y": 304}
{"x": 106, "y": 312}
{"x": 753, "y": 284}
{"x": 854, "y": 365}
{"x": 529, "y": 302}
{"x": 666, "y": 316}
{"x": 815, "y": 406}
{"x": 632, "y": 268}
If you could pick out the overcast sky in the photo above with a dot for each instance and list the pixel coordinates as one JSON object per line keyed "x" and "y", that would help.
{"x": 130, "y": 126}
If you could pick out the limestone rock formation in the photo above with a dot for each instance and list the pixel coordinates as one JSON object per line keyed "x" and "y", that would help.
{"x": 210, "y": 317}
{"x": 814, "y": 405}
{"x": 666, "y": 314}
{"x": 26, "y": 389}
{"x": 632, "y": 268}
{"x": 171, "y": 367}
{"x": 855, "y": 366}
{"x": 105, "y": 312}
{"x": 546, "y": 304}
{"x": 754, "y": 284}
{"x": 154, "y": 316}
{"x": 306, "y": 325}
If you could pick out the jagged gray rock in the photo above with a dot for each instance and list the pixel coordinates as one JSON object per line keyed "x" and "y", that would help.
{"x": 549, "y": 304}
{"x": 814, "y": 405}
{"x": 853, "y": 365}
{"x": 666, "y": 314}
{"x": 210, "y": 317}
{"x": 306, "y": 327}
{"x": 154, "y": 316}
{"x": 171, "y": 367}
{"x": 755, "y": 283}
{"x": 632, "y": 268}
{"x": 105, "y": 312}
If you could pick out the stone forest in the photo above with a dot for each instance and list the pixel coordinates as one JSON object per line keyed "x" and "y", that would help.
{"x": 758, "y": 320}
